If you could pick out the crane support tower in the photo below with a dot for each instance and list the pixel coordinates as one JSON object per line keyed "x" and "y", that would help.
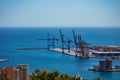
{"x": 50, "y": 40}
{"x": 62, "y": 40}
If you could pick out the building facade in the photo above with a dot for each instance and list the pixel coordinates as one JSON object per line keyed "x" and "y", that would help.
{"x": 105, "y": 65}
{"x": 102, "y": 64}
{"x": 15, "y": 73}
{"x": 23, "y": 71}
{"x": 9, "y": 73}
{"x": 109, "y": 64}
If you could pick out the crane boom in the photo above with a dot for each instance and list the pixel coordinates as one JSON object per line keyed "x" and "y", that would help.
{"x": 75, "y": 39}
{"x": 61, "y": 36}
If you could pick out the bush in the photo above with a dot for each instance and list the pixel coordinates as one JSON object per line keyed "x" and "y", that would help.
{"x": 53, "y": 75}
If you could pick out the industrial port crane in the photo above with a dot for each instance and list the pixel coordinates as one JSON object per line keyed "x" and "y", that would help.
{"x": 68, "y": 41}
{"x": 75, "y": 40}
{"x": 49, "y": 39}
{"x": 80, "y": 45}
{"x": 62, "y": 40}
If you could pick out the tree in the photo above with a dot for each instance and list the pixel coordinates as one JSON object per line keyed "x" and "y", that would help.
{"x": 53, "y": 75}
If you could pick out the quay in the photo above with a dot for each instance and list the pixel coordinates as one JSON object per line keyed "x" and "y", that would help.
{"x": 72, "y": 51}
{"x": 88, "y": 53}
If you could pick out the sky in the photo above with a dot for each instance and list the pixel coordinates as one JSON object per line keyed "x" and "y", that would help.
{"x": 82, "y": 13}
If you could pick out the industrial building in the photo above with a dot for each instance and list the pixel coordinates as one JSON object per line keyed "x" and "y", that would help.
{"x": 108, "y": 64}
{"x": 102, "y": 65}
{"x": 105, "y": 65}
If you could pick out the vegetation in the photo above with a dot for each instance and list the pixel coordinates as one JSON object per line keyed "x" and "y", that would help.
{"x": 53, "y": 75}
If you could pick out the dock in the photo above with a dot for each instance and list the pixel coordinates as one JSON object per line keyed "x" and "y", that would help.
{"x": 72, "y": 51}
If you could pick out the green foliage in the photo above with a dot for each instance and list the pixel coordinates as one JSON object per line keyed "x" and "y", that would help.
{"x": 44, "y": 75}
{"x": 53, "y": 75}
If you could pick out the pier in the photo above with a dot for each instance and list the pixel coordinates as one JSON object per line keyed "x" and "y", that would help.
{"x": 31, "y": 48}
{"x": 66, "y": 51}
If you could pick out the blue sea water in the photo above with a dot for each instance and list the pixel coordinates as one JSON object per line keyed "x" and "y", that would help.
{"x": 12, "y": 38}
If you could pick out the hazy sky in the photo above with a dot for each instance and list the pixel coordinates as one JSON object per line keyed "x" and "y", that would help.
{"x": 92, "y": 13}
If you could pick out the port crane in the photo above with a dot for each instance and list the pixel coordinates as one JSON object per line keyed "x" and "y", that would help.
{"x": 50, "y": 40}
{"x": 62, "y": 40}
{"x": 68, "y": 41}
{"x": 77, "y": 40}
{"x": 80, "y": 45}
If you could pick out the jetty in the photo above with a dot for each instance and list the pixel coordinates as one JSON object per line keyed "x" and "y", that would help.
{"x": 66, "y": 51}
{"x": 31, "y": 48}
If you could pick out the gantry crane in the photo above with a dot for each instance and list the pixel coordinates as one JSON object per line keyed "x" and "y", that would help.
{"x": 50, "y": 40}
{"x": 68, "y": 41}
{"x": 79, "y": 44}
{"x": 75, "y": 41}
{"x": 62, "y": 40}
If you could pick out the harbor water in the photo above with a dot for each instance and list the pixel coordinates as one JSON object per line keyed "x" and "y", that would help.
{"x": 12, "y": 38}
